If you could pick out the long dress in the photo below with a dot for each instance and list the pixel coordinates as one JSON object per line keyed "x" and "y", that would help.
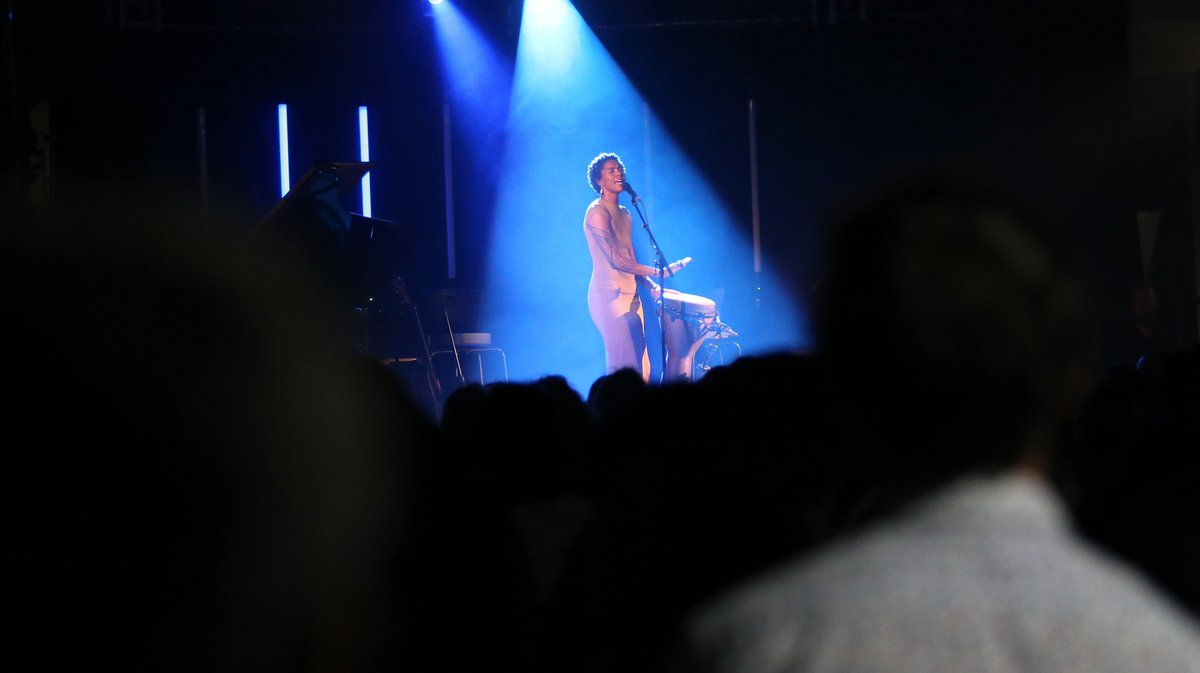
{"x": 613, "y": 301}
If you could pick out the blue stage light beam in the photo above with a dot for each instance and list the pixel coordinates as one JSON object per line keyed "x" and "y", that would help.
{"x": 570, "y": 101}
{"x": 477, "y": 82}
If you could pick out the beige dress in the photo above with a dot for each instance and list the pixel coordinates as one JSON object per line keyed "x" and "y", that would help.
{"x": 613, "y": 301}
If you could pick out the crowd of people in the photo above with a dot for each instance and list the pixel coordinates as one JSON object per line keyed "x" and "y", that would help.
{"x": 199, "y": 476}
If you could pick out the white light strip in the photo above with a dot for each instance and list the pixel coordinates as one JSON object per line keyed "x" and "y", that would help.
{"x": 364, "y": 155}
{"x": 754, "y": 217}
{"x": 448, "y": 162}
{"x": 285, "y": 180}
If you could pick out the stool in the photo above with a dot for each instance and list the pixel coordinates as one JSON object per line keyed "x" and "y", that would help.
{"x": 465, "y": 356}
{"x": 473, "y": 349}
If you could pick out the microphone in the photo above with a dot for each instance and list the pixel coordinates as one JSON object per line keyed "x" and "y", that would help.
{"x": 629, "y": 190}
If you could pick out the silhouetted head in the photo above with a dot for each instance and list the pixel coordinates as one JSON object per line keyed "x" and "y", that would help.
{"x": 954, "y": 326}
{"x": 615, "y": 390}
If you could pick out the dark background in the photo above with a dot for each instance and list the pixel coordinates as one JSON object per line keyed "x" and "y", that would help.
{"x": 1086, "y": 109}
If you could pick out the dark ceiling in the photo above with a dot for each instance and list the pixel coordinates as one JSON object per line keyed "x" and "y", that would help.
{"x": 600, "y": 14}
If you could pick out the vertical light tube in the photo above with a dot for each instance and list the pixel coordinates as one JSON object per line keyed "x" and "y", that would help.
{"x": 1193, "y": 145}
{"x": 754, "y": 221}
{"x": 10, "y": 67}
{"x": 648, "y": 152}
{"x": 202, "y": 154}
{"x": 447, "y": 153}
{"x": 285, "y": 179}
{"x": 364, "y": 155}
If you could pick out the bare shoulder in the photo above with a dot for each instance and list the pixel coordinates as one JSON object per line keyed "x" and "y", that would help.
{"x": 597, "y": 213}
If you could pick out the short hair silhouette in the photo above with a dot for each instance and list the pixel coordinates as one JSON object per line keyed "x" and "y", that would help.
{"x": 953, "y": 320}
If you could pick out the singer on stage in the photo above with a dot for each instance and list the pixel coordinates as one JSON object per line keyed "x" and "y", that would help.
{"x": 613, "y": 300}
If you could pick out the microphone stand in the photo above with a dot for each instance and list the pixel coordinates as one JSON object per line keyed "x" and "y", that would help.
{"x": 663, "y": 268}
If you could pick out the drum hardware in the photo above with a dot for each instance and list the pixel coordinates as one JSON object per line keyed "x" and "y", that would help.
{"x": 712, "y": 354}
{"x": 693, "y": 323}
{"x": 722, "y": 331}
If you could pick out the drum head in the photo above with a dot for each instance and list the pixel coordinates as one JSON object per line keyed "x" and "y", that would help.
{"x": 689, "y": 305}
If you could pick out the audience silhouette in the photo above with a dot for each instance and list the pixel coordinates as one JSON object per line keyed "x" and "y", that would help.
{"x": 955, "y": 328}
{"x": 199, "y": 475}
{"x": 696, "y": 486}
{"x": 202, "y": 474}
{"x": 1127, "y": 471}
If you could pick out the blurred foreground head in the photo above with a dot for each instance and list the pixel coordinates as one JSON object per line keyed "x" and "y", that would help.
{"x": 198, "y": 475}
{"x": 954, "y": 323}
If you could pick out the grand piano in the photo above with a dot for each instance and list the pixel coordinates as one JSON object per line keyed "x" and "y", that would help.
{"x": 361, "y": 260}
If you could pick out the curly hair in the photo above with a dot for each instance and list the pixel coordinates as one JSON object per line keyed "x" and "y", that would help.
{"x": 593, "y": 170}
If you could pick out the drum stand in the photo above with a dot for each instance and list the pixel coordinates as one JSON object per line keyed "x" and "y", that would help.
{"x": 712, "y": 348}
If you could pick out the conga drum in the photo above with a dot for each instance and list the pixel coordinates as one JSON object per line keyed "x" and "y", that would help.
{"x": 688, "y": 319}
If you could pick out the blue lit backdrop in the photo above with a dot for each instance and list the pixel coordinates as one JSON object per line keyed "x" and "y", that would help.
{"x": 569, "y": 102}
